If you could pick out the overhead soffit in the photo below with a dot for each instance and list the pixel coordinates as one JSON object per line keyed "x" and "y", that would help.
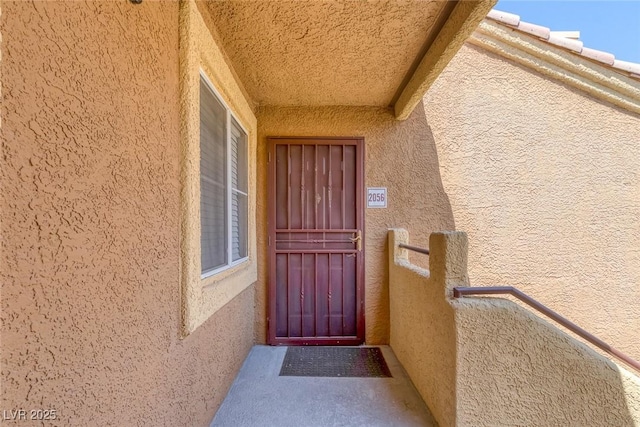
{"x": 326, "y": 52}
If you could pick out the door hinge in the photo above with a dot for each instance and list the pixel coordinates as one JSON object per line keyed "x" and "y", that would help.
{"x": 269, "y": 157}
{"x": 269, "y": 241}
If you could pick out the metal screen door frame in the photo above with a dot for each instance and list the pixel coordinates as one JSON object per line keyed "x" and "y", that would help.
{"x": 357, "y": 249}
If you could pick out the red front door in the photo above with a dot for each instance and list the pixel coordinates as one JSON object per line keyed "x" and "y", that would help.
{"x": 315, "y": 241}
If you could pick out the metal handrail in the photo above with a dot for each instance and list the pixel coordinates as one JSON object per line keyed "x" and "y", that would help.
{"x": 414, "y": 248}
{"x": 510, "y": 290}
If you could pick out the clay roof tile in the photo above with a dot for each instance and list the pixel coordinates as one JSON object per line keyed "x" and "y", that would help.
{"x": 571, "y": 44}
{"x": 632, "y": 69}
{"x": 598, "y": 55}
{"x": 533, "y": 29}
{"x": 504, "y": 17}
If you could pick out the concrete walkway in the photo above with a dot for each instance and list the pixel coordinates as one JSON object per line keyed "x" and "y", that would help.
{"x": 260, "y": 397}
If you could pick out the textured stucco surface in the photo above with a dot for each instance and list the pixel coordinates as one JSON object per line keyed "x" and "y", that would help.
{"x": 398, "y": 155}
{"x": 491, "y": 362}
{"x": 546, "y": 181}
{"x": 516, "y": 369}
{"x": 199, "y": 53}
{"x": 311, "y": 53}
{"x": 90, "y": 224}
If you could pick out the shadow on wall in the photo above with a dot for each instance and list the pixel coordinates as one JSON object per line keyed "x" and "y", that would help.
{"x": 422, "y": 209}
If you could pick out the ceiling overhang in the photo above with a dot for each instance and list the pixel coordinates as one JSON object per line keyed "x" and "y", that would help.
{"x": 342, "y": 52}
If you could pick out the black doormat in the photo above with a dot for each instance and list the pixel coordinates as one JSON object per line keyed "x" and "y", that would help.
{"x": 334, "y": 362}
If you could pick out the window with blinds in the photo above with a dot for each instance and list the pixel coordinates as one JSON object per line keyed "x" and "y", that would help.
{"x": 223, "y": 185}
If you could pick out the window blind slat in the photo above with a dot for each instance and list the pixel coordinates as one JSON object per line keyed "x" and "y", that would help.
{"x": 239, "y": 227}
{"x": 239, "y": 214}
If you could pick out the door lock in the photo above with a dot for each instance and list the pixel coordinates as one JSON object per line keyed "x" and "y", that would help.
{"x": 357, "y": 239}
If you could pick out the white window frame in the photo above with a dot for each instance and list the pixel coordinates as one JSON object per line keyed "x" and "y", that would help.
{"x": 229, "y": 195}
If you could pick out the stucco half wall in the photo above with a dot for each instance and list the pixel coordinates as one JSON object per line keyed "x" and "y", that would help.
{"x": 546, "y": 181}
{"x": 398, "y": 155}
{"x": 423, "y": 328}
{"x": 491, "y": 362}
{"x": 90, "y": 224}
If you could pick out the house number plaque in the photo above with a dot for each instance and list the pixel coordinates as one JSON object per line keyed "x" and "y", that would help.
{"x": 377, "y": 197}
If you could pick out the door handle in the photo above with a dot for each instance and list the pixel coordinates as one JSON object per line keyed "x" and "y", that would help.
{"x": 357, "y": 239}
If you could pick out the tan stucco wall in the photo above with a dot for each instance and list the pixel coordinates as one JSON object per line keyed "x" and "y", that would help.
{"x": 491, "y": 362}
{"x": 90, "y": 224}
{"x": 398, "y": 155}
{"x": 516, "y": 369}
{"x": 546, "y": 181}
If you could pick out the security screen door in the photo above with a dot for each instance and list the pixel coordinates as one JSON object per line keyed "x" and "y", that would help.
{"x": 315, "y": 241}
